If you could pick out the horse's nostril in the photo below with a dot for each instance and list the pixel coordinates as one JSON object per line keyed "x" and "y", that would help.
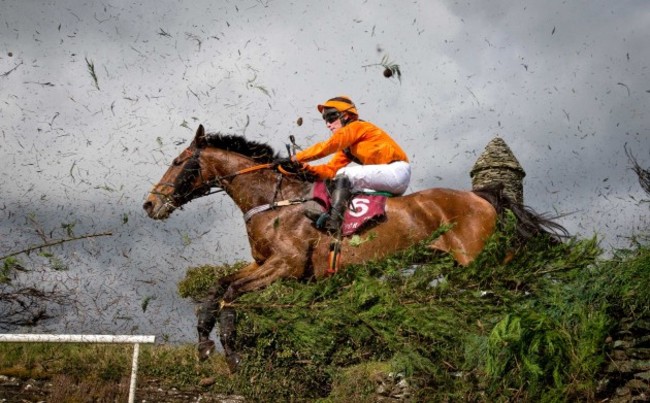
{"x": 147, "y": 206}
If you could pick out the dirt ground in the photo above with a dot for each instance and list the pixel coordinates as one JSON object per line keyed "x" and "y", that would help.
{"x": 13, "y": 390}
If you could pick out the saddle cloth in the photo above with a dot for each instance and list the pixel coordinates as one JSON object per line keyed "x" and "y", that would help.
{"x": 362, "y": 207}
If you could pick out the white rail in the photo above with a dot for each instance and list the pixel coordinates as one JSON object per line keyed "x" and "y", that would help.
{"x": 88, "y": 338}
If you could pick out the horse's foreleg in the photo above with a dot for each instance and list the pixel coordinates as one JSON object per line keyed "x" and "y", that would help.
{"x": 227, "y": 333}
{"x": 271, "y": 270}
{"x": 207, "y": 311}
{"x": 206, "y": 315}
{"x": 243, "y": 272}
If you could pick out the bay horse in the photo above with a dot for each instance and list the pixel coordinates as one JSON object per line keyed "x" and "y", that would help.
{"x": 285, "y": 243}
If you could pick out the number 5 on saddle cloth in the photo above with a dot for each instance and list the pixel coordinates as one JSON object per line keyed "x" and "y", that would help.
{"x": 364, "y": 209}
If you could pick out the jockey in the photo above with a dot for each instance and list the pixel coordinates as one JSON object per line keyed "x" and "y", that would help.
{"x": 382, "y": 164}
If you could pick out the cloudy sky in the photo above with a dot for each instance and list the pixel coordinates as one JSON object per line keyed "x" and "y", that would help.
{"x": 564, "y": 83}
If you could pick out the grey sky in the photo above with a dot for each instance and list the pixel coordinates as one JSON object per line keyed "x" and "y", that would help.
{"x": 564, "y": 83}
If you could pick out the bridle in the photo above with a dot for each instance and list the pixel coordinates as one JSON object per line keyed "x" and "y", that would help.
{"x": 205, "y": 188}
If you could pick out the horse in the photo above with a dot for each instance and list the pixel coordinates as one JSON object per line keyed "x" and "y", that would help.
{"x": 286, "y": 244}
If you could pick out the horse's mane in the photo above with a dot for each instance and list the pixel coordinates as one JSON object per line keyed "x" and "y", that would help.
{"x": 260, "y": 152}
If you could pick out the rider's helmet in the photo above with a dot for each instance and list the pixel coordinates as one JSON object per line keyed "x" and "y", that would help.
{"x": 343, "y": 104}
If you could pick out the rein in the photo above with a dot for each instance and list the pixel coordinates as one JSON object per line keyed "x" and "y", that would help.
{"x": 264, "y": 207}
{"x": 246, "y": 170}
{"x": 218, "y": 183}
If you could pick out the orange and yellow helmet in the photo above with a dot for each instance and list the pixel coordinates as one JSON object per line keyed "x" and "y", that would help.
{"x": 341, "y": 103}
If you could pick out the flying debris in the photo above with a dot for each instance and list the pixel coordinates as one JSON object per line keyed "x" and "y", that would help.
{"x": 6, "y": 73}
{"x": 390, "y": 69}
{"x": 91, "y": 70}
{"x": 194, "y": 37}
{"x": 47, "y": 84}
{"x": 643, "y": 174}
{"x": 626, "y": 87}
{"x": 162, "y": 32}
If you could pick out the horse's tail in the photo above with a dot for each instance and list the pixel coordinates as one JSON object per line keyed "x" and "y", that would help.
{"x": 530, "y": 224}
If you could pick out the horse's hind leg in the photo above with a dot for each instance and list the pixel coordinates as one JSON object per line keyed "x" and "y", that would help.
{"x": 466, "y": 239}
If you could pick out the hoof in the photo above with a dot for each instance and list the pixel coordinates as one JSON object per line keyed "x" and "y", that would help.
{"x": 233, "y": 360}
{"x": 205, "y": 349}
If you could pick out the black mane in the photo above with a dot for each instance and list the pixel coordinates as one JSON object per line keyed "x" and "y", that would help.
{"x": 260, "y": 152}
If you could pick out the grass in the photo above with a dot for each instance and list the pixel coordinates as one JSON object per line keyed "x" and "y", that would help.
{"x": 89, "y": 372}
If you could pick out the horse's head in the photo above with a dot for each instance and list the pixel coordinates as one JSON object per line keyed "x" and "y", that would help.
{"x": 184, "y": 181}
{"x": 214, "y": 161}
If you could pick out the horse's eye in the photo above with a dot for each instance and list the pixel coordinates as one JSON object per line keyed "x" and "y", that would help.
{"x": 176, "y": 162}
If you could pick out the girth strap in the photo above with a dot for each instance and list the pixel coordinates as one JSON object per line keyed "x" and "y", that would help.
{"x": 264, "y": 207}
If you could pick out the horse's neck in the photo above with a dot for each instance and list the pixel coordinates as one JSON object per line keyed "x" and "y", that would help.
{"x": 258, "y": 187}
{"x": 265, "y": 187}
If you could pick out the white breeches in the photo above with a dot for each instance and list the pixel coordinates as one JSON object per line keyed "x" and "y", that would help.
{"x": 393, "y": 178}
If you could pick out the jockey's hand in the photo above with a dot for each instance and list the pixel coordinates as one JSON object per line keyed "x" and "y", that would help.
{"x": 289, "y": 165}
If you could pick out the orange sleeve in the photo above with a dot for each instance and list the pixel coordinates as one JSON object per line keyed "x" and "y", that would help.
{"x": 367, "y": 143}
{"x": 328, "y": 171}
{"x": 340, "y": 139}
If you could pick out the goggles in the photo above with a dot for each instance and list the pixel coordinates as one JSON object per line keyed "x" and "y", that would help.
{"x": 332, "y": 116}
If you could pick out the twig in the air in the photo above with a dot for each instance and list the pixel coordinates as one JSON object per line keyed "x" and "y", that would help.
{"x": 57, "y": 242}
{"x": 5, "y": 74}
{"x": 91, "y": 70}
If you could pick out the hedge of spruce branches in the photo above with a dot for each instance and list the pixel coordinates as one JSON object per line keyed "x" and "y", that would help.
{"x": 530, "y": 330}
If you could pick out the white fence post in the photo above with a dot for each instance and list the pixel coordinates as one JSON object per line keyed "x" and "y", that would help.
{"x": 88, "y": 338}
{"x": 134, "y": 371}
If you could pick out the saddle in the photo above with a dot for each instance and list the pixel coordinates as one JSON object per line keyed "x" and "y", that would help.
{"x": 364, "y": 208}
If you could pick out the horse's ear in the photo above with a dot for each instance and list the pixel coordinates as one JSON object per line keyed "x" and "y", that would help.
{"x": 199, "y": 138}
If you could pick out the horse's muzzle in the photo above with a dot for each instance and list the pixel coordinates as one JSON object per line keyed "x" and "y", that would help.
{"x": 156, "y": 209}
{"x": 148, "y": 207}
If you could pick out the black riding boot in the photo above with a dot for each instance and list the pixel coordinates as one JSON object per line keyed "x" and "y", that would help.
{"x": 340, "y": 197}
{"x": 312, "y": 210}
